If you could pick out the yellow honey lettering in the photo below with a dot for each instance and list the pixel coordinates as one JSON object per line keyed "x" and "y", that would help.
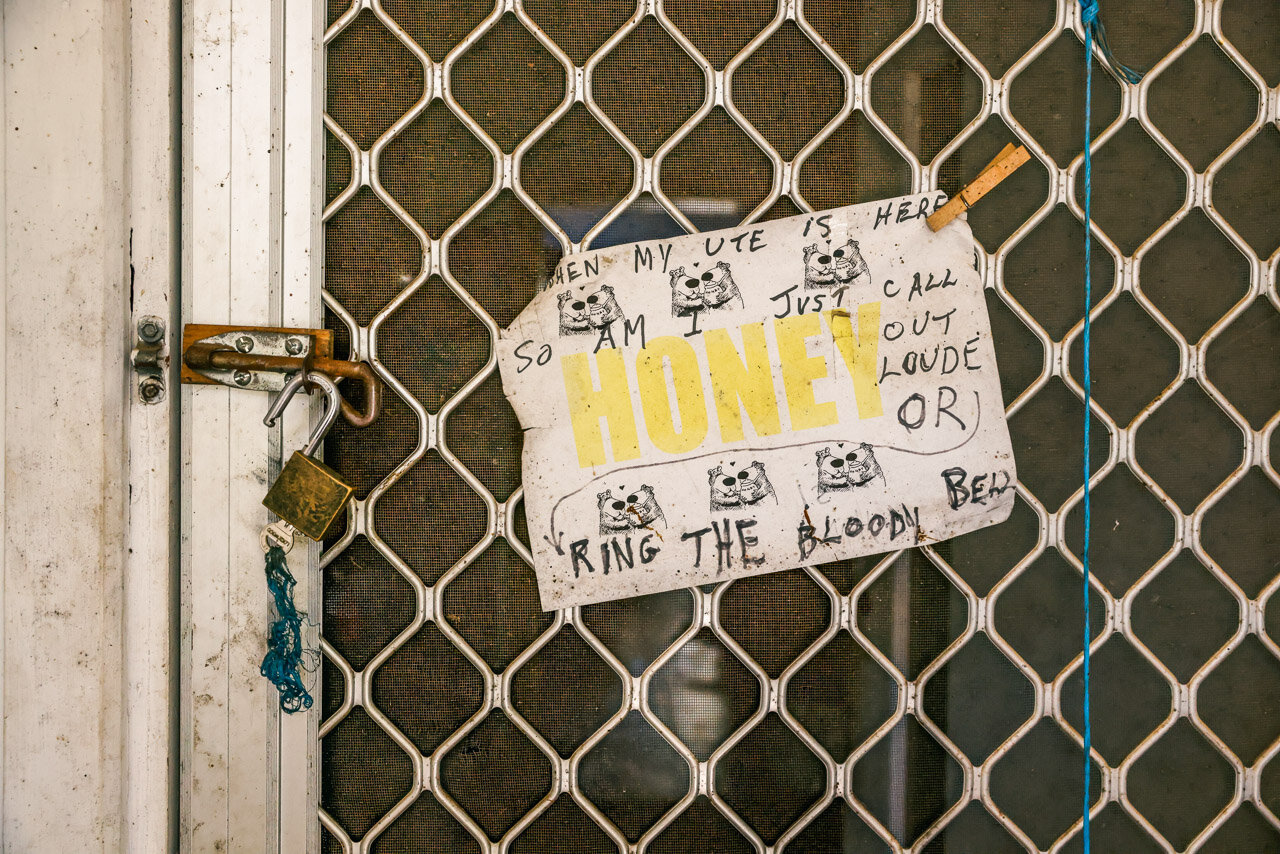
{"x": 671, "y": 385}
{"x": 655, "y": 402}
{"x": 612, "y": 402}
{"x": 747, "y": 378}
{"x": 800, "y": 370}
{"x": 860, "y": 354}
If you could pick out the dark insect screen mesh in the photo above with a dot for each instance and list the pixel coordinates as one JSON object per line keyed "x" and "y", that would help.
{"x": 927, "y": 700}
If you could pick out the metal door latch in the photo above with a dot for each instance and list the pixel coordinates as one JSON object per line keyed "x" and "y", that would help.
{"x": 264, "y": 358}
{"x": 150, "y": 359}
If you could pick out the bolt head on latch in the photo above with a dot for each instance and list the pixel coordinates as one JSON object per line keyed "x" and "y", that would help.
{"x": 242, "y": 378}
{"x": 151, "y": 390}
{"x": 151, "y": 330}
{"x": 244, "y": 344}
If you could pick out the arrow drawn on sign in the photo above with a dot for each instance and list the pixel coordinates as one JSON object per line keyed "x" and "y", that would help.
{"x": 556, "y": 540}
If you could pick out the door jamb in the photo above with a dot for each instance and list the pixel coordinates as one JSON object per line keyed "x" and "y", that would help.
{"x": 252, "y": 196}
{"x": 149, "y": 696}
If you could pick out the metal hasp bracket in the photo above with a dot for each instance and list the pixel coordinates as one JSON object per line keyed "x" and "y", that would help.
{"x": 150, "y": 359}
{"x": 261, "y": 358}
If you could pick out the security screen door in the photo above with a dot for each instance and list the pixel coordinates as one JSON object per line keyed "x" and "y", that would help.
{"x": 927, "y": 700}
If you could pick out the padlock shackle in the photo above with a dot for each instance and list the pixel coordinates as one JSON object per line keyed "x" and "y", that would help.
{"x": 292, "y": 385}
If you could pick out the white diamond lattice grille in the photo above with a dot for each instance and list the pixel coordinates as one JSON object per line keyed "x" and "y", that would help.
{"x": 925, "y": 701}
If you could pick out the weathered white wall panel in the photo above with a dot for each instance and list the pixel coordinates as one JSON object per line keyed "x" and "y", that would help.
{"x": 66, "y": 308}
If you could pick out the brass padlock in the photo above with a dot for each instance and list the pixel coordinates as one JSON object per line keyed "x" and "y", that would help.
{"x": 308, "y": 495}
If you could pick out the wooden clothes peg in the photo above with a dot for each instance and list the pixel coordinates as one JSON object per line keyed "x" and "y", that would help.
{"x": 1004, "y": 165}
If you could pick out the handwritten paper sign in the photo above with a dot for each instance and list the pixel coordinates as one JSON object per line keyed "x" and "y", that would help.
{"x": 742, "y": 401}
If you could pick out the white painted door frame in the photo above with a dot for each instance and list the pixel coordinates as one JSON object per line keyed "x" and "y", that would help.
{"x": 251, "y": 254}
{"x": 90, "y": 244}
{"x": 151, "y": 137}
{"x": 160, "y": 158}
{"x": 133, "y": 609}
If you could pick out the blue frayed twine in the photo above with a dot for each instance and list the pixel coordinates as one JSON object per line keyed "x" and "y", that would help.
{"x": 1090, "y": 7}
{"x": 1093, "y": 30}
{"x": 283, "y": 661}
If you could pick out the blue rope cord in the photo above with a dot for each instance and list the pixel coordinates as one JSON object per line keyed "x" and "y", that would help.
{"x": 283, "y": 661}
{"x": 1093, "y": 31}
{"x": 1088, "y": 6}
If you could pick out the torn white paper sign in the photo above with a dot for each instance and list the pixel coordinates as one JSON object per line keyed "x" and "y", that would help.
{"x": 741, "y": 401}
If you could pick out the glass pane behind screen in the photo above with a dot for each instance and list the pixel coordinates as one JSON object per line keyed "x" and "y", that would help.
{"x": 926, "y": 700}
